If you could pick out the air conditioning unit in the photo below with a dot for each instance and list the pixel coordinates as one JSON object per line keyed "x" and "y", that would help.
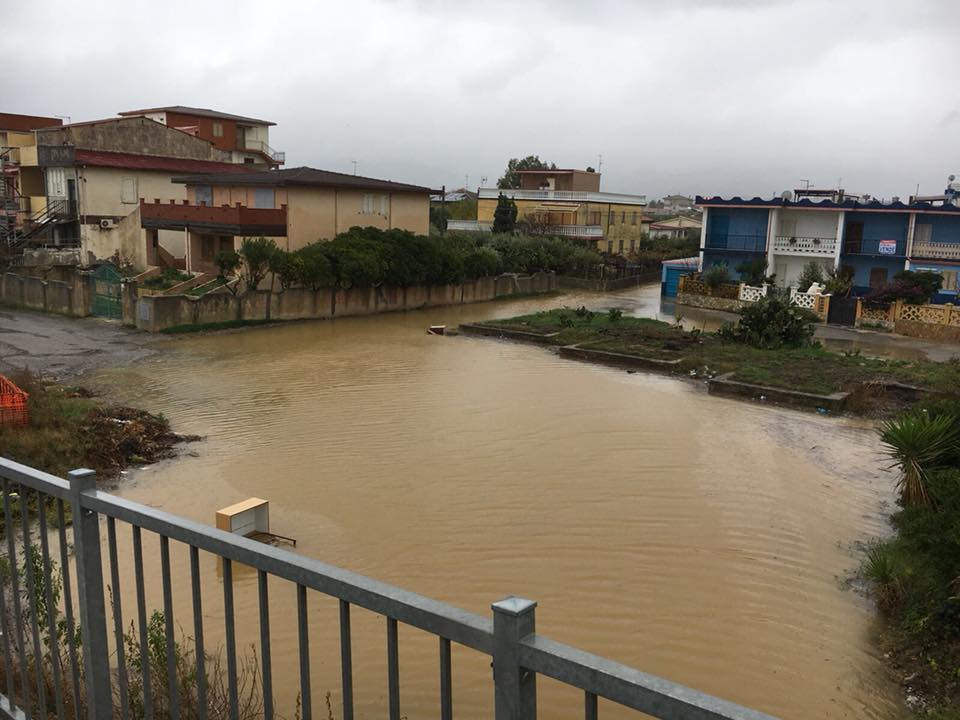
{"x": 106, "y": 224}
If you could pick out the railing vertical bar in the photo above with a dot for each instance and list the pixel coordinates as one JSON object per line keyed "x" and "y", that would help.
{"x": 198, "y": 633}
{"x": 51, "y": 613}
{"x": 304, "y": 638}
{"x": 118, "y": 618}
{"x": 230, "y": 639}
{"x": 346, "y": 660}
{"x": 589, "y": 705}
{"x": 7, "y": 655}
{"x": 68, "y": 607}
{"x": 142, "y": 623}
{"x": 15, "y": 593}
{"x": 30, "y": 570}
{"x": 174, "y": 700}
{"x": 393, "y": 668}
{"x": 267, "y": 676}
{"x": 446, "y": 681}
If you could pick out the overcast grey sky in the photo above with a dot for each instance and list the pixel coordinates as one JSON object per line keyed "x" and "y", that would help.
{"x": 739, "y": 97}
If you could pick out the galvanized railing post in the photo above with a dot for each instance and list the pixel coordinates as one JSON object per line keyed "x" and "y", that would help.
{"x": 515, "y": 688}
{"x": 93, "y": 617}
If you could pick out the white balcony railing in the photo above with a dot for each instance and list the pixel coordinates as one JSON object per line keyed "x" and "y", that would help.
{"x": 804, "y": 245}
{"x": 469, "y": 225}
{"x": 938, "y": 251}
{"x": 260, "y": 146}
{"x": 581, "y": 231}
{"x": 564, "y": 196}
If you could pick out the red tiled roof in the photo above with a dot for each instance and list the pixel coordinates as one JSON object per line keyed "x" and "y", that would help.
{"x": 130, "y": 161}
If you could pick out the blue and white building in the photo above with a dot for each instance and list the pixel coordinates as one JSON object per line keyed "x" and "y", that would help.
{"x": 873, "y": 239}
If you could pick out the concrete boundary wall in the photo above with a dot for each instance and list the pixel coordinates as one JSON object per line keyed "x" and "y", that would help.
{"x": 160, "y": 312}
{"x": 53, "y": 296}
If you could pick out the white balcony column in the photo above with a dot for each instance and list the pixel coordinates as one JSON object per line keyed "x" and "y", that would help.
{"x": 911, "y": 228}
{"x": 838, "y": 245}
{"x": 703, "y": 234}
{"x": 773, "y": 227}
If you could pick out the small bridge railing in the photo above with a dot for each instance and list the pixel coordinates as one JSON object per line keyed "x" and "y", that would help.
{"x": 90, "y": 677}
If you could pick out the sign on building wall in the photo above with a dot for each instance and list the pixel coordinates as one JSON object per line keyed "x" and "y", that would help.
{"x": 55, "y": 155}
{"x": 887, "y": 247}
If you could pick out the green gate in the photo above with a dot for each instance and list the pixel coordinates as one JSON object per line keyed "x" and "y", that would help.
{"x": 106, "y": 292}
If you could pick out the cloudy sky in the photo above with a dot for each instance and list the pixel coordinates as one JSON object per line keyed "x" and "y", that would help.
{"x": 710, "y": 96}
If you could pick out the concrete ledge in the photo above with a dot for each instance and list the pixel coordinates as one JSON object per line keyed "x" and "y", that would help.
{"x": 606, "y": 357}
{"x": 724, "y": 385}
{"x": 507, "y": 333}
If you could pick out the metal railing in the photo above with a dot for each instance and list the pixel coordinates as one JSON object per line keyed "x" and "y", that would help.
{"x": 804, "y": 245}
{"x": 736, "y": 242}
{"x": 564, "y": 195}
{"x": 99, "y": 685}
{"x": 936, "y": 251}
{"x": 260, "y": 146}
{"x": 875, "y": 246}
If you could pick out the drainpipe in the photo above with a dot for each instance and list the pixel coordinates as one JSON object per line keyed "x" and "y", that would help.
{"x": 839, "y": 248}
{"x": 703, "y": 235}
{"x": 911, "y": 228}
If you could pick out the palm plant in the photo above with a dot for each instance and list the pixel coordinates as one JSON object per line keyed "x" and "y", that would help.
{"x": 918, "y": 443}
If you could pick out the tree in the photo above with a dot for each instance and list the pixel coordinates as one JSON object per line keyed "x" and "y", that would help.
{"x": 439, "y": 216}
{"x": 314, "y": 269}
{"x": 812, "y": 273}
{"x": 505, "y": 216}
{"x": 285, "y": 266}
{"x": 753, "y": 272}
{"x": 227, "y": 263}
{"x": 511, "y": 179}
{"x": 257, "y": 254}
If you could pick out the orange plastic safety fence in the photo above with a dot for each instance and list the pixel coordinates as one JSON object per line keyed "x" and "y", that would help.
{"x": 13, "y": 404}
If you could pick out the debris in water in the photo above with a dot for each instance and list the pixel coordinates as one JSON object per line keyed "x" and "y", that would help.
{"x": 437, "y": 330}
{"x": 822, "y": 411}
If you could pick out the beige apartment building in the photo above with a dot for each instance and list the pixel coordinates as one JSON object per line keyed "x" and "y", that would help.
{"x": 295, "y": 206}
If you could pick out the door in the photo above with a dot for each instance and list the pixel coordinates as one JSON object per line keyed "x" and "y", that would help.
{"x": 853, "y": 237}
{"x": 843, "y": 311}
{"x": 71, "y": 196}
{"x": 106, "y": 292}
{"x": 878, "y": 277}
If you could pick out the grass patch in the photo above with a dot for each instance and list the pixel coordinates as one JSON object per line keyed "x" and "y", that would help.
{"x": 225, "y": 325}
{"x": 167, "y": 279}
{"x": 810, "y": 369}
{"x": 69, "y": 429}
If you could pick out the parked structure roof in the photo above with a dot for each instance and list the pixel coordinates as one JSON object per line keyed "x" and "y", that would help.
{"x": 25, "y": 123}
{"x": 300, "y": 177}
{"x": 199, "y": 112}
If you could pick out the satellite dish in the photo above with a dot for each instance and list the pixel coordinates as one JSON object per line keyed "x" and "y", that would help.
{"x": 787, "y": 195}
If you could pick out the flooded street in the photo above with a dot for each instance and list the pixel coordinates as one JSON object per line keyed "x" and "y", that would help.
{"x": 698, "y": 538}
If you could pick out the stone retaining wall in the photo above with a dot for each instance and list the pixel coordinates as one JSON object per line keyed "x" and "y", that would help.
{"x": 53, "y": 296}
{"x": 709, "y": 302}
{"x": 160, "y": 312}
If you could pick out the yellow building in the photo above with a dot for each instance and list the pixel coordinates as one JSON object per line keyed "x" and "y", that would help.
{"x": 295, "y": 206}
{"x": 21, "y": 186}
{"x": 569, "y": 203}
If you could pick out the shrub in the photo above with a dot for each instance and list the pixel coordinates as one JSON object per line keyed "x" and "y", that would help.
{"x": 753, "y": 272}
{"x": 914, "y": 287}
{"x": 812, "y": 273}
{"x": 505, "y": 215}
{"x": 771, "y": 323}
{"x": 614, "y": 314}
{"x": 919, "y": 442}
{"x": 839, "y": 282}
{"x": 716, "y": 276}
{"x": 481, "y": 262}
{"x": 314, "y": 269}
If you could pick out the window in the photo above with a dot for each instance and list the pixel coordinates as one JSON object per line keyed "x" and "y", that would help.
{"x": 611, "y": 216}
{"x": 610, "y": 246}
{"x": 226, "y": 243}
{"x": 594, "y": 217}
{"x": 922, "y": 233}
{"x": 623, "y": 218}
{"x": 263, "y": 198}
{"x": 218, "y": 129}
{"x": 55, "y": 182}
{"x": 878, "y": 277}
{"x": 128, "y": 190}
{"x": 633, "y": 244}
{"x": 949, "y": 281}
{"x": 620, "y": 247}
{"x": 203, "y": 194}
{"x": 374, "y": 204}
{"x": 633, "y": 221}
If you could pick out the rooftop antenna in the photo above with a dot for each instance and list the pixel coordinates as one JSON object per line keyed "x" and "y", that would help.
{"x": 354, "y": 166}
{"x": 68, "y": 118}
{"x": 466, "y": 180}
{"x": 483, "y": 180}
{"x": 599, "y": 162}
{"x": 806, "y": 184}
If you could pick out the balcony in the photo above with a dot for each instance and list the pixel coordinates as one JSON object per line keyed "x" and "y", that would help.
{"x": 575, "y": 231}
{"x": 794, "y": 245}
{"x": 882, "y": 247}
{"x": 261, "y": 147}
{"x": 936, "y": 251}
{"x": 564, "y": 195}
{"x": 736, "y": 243}
{"x": 224, "y": 219}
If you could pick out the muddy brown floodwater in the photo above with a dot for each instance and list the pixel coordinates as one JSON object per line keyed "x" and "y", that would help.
{"x": 698, "y": 538}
